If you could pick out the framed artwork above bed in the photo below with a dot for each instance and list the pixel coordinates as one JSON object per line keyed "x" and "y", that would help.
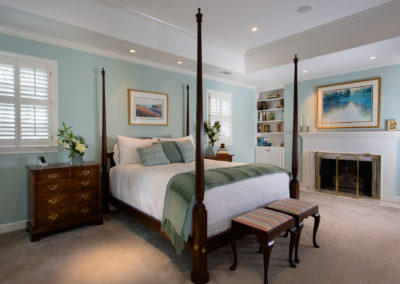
{"x": 147, "y": 108}
{"x": 349, "y": 105}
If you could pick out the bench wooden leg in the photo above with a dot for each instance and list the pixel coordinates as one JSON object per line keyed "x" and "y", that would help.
{"x": 267, "y": 248}
{"x": 234, "y": 250}
{"x": 293, "y": 238}
{"x": 296, "y": 252}
{"x": 316, "y": 224}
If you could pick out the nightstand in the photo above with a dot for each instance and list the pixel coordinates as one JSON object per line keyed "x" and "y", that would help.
{"x": 224, "y": 157}
{"x": 62, "y": 196}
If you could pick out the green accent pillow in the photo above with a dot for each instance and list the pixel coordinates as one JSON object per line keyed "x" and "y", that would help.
{"x": 152, "y": 155}
{"x": 171, "y": 151}
{"x": 187, "y": 150}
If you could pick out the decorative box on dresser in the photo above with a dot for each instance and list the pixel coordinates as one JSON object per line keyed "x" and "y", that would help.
{"x": 224, "y": 157}
{"x": 62, "y": 196}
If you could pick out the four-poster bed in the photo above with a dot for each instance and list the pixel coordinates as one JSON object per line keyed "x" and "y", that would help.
{"x": 199, "y": 242}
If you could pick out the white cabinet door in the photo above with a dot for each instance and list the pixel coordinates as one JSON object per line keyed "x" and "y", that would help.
{"x": 262, "y": 155}
{"x": 276, "y": 157}
{"x": 267, "y": 155}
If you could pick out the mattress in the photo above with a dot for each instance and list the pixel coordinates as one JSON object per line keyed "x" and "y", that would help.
{"x": 144, "y": 188}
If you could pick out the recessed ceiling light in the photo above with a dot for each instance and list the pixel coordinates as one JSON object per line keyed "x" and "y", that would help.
{"x": 304, "y": 9}
{"x": 305, "y": 71}
{"x": 372, "y": 57}
{"x": 179, "y": 62}
{"x": 132, "y": 50}
{"x": 254, "y": 29}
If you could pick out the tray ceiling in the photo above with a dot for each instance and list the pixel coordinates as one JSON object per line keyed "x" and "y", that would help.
{"x": 334, "y": 37}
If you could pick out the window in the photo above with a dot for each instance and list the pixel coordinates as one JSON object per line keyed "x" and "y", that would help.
{"x": 28, "y": 104}
{"x": 219, "y": 108}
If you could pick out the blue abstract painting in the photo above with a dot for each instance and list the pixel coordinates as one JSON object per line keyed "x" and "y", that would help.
{"x": 348, "y": 105}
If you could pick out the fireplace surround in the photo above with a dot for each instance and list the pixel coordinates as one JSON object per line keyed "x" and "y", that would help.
{"x": 385, "y": 144}
{"x": 358, "y": 174}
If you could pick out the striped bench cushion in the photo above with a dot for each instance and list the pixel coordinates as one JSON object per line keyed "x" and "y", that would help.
{"x": 263, "y": 219}
{"x": 291, "y": 206}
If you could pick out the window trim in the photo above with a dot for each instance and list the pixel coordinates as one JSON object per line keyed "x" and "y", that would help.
{"x": 209, "y": 92}
{"x": 53, "y": 102}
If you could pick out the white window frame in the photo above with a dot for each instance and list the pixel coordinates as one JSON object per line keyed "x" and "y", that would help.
{"x": 52, "y": 67}
{"x": 210, "y": 93}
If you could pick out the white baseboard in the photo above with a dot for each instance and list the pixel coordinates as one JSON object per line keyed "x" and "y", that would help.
{"x": 15, "y": 226}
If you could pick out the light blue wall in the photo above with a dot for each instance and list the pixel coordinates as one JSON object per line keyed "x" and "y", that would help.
{"x": 390, "y": 103}
{"x": 79, "y": 95}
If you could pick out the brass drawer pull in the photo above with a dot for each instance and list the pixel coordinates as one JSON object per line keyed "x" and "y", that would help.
{"x": 85, "y": 182}
{"x": 53, "y": 201}
{"x": 86, "y": 172}
{"x": 53, "y": 187}
{"x": 53, "y": 217}
{"x": 85, "y": 210}
{"x": 52, "y": 176}
{"x": 85, "y": 195}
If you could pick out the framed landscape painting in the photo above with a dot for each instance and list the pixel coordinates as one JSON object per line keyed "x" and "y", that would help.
{"x": 147, "y": 108}
{"x": 349, "y": 105}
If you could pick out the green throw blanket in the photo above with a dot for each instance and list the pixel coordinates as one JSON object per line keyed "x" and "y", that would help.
{"x": 180, "y": 196}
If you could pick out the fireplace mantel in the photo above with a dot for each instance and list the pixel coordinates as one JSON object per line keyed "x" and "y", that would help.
{"x": 383, "y": 143}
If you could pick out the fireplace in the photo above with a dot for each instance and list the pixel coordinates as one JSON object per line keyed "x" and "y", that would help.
{"x": 350, "y": 173}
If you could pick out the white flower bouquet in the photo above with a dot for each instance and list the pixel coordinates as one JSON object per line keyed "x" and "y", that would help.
{"x": 76, "y": 144}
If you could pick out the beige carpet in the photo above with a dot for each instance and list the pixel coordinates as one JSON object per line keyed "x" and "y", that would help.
{"x": 359, "y": 242}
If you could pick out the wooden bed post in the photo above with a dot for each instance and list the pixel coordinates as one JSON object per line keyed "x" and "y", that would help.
{"x": 187, "y": 110}
{"x": 104, "y": 174}
{"x": 199, "y": 273}
{"x": 294, "y": 183}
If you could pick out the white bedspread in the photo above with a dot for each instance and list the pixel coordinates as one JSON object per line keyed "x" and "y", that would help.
{"x": 144, "y": 188}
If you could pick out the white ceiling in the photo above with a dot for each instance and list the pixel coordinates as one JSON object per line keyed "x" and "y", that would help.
{"x": 334, "y": 37}
{"x": 228, "y": 22}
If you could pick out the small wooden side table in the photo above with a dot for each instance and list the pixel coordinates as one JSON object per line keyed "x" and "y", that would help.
{"x": 223, "y": 157}
{"x": 63, "y": 196}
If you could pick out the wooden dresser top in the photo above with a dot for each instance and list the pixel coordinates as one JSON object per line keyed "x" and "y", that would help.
{"x": 60, "y": 166}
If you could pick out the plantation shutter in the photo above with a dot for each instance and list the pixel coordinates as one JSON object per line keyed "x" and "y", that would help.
{"x": 7, "y": 103}
{"x": 220, "y": 109}
{"x": 25, "y": 102}
{"x": 34, "y": 105}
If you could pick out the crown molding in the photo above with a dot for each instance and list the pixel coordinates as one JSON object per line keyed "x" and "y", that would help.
{"x": 111, "y": 54}
{"x": 326, "y": 27}
{"x": 350, "y": 70}
{"x": 119, "y": 6}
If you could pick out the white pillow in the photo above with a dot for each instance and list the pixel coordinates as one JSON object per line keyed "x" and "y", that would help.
{"x": 116, "y": 154}
{"x": 127, "y": 149}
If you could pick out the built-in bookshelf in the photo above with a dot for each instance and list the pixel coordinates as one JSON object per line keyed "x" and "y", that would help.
{"x": 271, "y": 118}
{"x": 271, "y": 127}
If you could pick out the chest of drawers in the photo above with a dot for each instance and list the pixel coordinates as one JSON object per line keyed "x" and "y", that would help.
{"x": 62, "y": 196}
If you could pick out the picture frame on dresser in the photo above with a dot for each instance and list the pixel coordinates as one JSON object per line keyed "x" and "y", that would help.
{"x": 147, "y": 108}
{"x": 391, "y": 125}
{"x": 353, "y": 104}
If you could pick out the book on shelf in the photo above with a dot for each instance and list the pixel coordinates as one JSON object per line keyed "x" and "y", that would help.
{"x": 262, "y": 141}
{"x": 273, "y": 96}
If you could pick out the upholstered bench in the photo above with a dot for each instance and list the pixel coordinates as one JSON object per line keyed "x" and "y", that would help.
{"x": 299, "y": 210}
{"x": 265, "y": 224}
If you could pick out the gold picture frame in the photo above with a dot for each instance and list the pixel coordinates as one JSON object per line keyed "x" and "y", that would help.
{"x": 353, "y": 104}
{"x": 147, "y": 108}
